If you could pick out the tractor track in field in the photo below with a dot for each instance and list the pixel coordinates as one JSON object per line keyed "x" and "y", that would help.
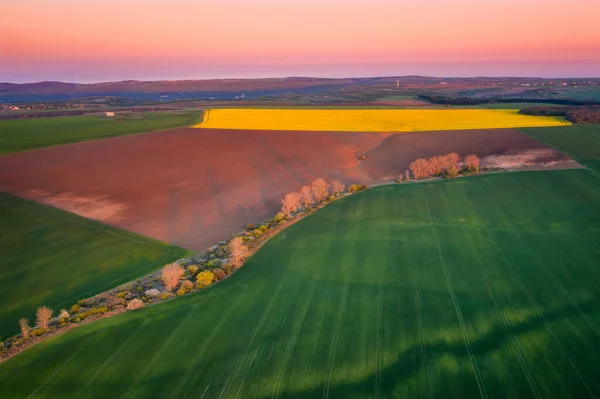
{"x": 505, "y": 324}
{"x": 534, "y": 304}
{"x": 461, "y": 321}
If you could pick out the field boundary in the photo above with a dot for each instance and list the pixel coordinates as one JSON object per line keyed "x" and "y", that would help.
{"x": 98, "y": 138}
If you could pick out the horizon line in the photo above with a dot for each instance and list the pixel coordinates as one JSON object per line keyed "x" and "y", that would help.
{"x": 301, "y": 77}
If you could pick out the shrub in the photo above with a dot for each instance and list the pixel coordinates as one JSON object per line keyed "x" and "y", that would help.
{"x": 210, "y": 263}
{"x": 171, "y": 274}
{"x": 193, "y": 269}
{"x": 181, "y": 292}
{"x": 75, "y": 308}
{"x": 279, "y": 217}
{"x": 164, "y": 296}
{"x": 135, "y": 304}
{"x": 249, "y": 227}
{"x": 257, "y": 233}
{"x": 263, "y": 228}
{"x": 113, "y": 302}
{"x": 187, "y": 285}
{"x": 227, "y": 268}
{"x": 399, "y": 179}
{"x": 121, "y": 294}
{"x": 407, "y": 175}
{"x": 43, "y": 314}
{"x": 204, "y": 279}
{"x": 24, "y": 325}
{"x": 354, "y": 188}
{"x": 219, "y": 274}
{"x": 37, "y": 332}
{"x": 452, "y": 172}
{"x": 63, "y": 314}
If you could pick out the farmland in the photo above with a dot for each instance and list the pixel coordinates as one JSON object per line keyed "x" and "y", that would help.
{"x": 476, "y": 287}
{"x": 28, "y": 134}
{"x": 51, "y": 257}
{"x": 382, "y": 120}
{"x": 579, "y": 142}
{"x": 194, "y": 187}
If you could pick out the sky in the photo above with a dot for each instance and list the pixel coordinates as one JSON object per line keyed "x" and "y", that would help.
{"x": 109, "y": 40}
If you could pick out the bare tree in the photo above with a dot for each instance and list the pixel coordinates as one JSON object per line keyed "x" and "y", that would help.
{"x": 420, "y": 168}
{"x": 24, "y": 324}
{"x": 171, "y": 274}
{"x": 43, "y": 314}
{"x": 307, "y": 198}
{"x": 319, "y": 189}
{"x": 337, "y": 186}
{"x": 238, "y": 251}
{"x": 472, "y": 162}
{"x": 290, "y": 203}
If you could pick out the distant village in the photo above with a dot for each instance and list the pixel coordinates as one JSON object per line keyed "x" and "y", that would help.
{"x": 41, "y": 106}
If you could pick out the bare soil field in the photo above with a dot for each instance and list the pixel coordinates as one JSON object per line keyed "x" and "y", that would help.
{"x": 193, "y": 187}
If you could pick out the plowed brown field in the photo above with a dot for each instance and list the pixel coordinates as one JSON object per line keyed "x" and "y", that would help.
{"x": 193, "y": 187}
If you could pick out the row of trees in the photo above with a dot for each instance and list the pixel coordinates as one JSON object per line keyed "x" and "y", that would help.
{"x": 308, "y": 195}
{"x": 441, "y": 165}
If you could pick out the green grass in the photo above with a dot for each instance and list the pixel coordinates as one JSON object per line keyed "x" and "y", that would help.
{"x": 51, "y": 257}
{"x": 480, "y": 286}
{"x": 28, "y": 134}
{"x": 579, "y": 142}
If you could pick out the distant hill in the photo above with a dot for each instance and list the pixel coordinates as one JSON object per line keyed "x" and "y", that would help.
{"x": 227, "y": 89}
{"x": 172, "y": 89}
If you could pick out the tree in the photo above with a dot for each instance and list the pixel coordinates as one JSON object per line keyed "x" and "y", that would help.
{"x": 204, "y": 279}
{"x": 171, "y": 274}
{"x": 43, "y": 314}
{"x": 472, "y": 163}
{"x": 451, "y": 160}
{"x": 238, "y": 251}
{"x": 436, "y": 165}
{"x": 319, "y": 189}
{"x": 420, "y": 168}
{"x": 337, "y": 186}
{"x": 290, "y": 203}
{"x": 24, "y": 324}
{"x": 307, "y": 198}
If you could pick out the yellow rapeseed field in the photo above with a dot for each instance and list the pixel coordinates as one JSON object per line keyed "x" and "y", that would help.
{"x": 371, "y": 120}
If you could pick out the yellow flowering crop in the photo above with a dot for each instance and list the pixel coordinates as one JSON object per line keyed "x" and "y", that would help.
{"x": 371, "y": 120}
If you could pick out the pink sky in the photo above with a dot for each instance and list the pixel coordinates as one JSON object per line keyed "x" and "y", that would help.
{"x": 92, "y": 40}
